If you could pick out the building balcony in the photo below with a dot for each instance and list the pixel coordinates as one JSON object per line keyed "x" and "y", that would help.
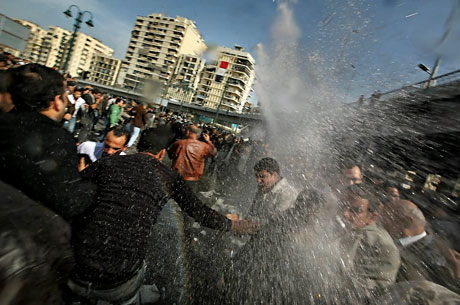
{"x": 239, "y": 93}
{"x": 230, "y": 105}
{"x": 244, "y": 63}
{"x": 231, "y": 98}
{"x": 235, "y": 83}
{"x": 242, "y": 69}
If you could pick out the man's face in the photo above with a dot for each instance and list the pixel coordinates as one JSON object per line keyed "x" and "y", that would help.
{"x": 266, "y": 181}
{"x": 355, "y": 211}
{"x": 114, "y": 145}
{"x": 392, "y": 194}
{"x": 77, "y": 95}
{"x": 352, "y": 176}
{"x": 98, "y": 95}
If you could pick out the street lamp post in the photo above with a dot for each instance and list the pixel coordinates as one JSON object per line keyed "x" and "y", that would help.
{"x": 220, "y": 102}
{"x": 448, "y": 29}
{"x": 76, "y": 27}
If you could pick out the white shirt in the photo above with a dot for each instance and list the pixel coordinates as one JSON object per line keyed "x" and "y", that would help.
{"x": 79, "y": 104}
{"x": 406, "y": 241}
{"x": 93, "y": 150}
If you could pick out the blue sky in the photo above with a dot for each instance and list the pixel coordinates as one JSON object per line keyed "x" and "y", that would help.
{"x": 367, "y": 44}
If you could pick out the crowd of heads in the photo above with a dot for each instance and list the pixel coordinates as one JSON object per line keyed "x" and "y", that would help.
{"x": 361, "y": 200}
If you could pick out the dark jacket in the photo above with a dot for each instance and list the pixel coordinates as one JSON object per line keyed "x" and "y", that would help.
{"x": 140, "y": 117}
{"x": 429, "y": 259}
{"x": 188, "y": 157}
{"x": 35, "y": 253}
{"x": 111, "y": 240}
{"x": 39, "y": 157}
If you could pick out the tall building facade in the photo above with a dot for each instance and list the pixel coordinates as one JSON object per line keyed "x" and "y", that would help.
{"x": 53, "y": 47}
{"x": 104, "y": 69}
{"x": 228, "y": 81}
{"x": 34, "y": 41}
{"x": 50, "y": 48}
{"x": 84, "y": 48}
{"x": 185, "y": 78}
{"x": 155, "y": 46}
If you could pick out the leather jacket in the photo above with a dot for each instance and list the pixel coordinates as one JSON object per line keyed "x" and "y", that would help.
{"x": 188, "y": 157}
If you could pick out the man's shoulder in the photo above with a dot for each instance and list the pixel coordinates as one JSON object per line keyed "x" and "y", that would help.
{"x": 285, "y": 187}
{"x": 89, "y": 144}
{"x": 88, "y": 147}
{"x": 374, "y": 234}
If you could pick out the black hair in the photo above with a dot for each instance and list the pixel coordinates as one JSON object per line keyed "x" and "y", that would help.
{"x": 153, "y": 140}
{"x": 96, "y": 91}
{"x": 79, "y": 89}
{"x": 368, "y": 192}
{"x": 120, "y": 131}
{"x": 348, "y": 162}
{"x": 34, "y": 87}
{"x": 268, "y": 164}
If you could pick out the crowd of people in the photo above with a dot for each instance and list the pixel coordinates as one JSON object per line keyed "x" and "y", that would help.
{"x": 84, "y": 178}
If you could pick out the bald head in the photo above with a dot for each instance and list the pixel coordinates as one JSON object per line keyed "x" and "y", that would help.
{"x": 403, "y": 218}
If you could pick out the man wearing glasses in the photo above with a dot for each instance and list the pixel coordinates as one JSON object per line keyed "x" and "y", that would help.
{"x": 372, "y": 255}
{"x": 115, "y": 143}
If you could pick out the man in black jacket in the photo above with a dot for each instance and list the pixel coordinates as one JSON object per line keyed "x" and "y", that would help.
{"x": 37, "y": 156}
{"x": 424, "y": 255}
{"x": 111, "y": 240}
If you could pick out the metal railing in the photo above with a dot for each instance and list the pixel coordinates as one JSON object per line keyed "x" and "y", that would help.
{"x": 444, "y": 79}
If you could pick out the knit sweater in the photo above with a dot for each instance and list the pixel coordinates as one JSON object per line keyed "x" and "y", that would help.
{"x": 112, "y": 238}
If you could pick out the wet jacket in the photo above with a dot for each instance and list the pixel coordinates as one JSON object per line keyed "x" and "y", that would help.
{"x": 39, "y": 157}
{"x": 418, "y": 292}
{"x": 429, "y": 259}
{"x": 111, "y": 240}
{"x": 280, "y": 198}
{"x": 188, "y": 157}
{"x": 373, "y": 257}
{"x": 35, "y": 252}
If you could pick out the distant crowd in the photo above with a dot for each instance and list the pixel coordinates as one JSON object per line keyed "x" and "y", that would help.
{"x": 85, "y": 176}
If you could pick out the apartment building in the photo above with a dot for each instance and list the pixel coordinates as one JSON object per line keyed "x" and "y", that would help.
{"x": 54, "y": 48}
{"x": 84, "y": 48}
{"x": 104, "y": 69}
{"x": 185, "y": 78}
{"x": 34, "y": 41}
{"x": 229, "y": 79}
{"x": 155, "y": 46}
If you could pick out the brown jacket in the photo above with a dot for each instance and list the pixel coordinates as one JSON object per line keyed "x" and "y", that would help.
{"x": 188, "y": 157}
{"x": 140, "y": 119}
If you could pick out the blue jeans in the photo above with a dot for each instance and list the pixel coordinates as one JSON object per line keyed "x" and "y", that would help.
{"x": 125, "y": 293}
{"x": 70, "y": 124}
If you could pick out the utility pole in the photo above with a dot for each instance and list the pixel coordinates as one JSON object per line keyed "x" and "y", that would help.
{"x": 220, "y": 102}
{"x": 449, "y": 24}
{"x": 76, "y": 27}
